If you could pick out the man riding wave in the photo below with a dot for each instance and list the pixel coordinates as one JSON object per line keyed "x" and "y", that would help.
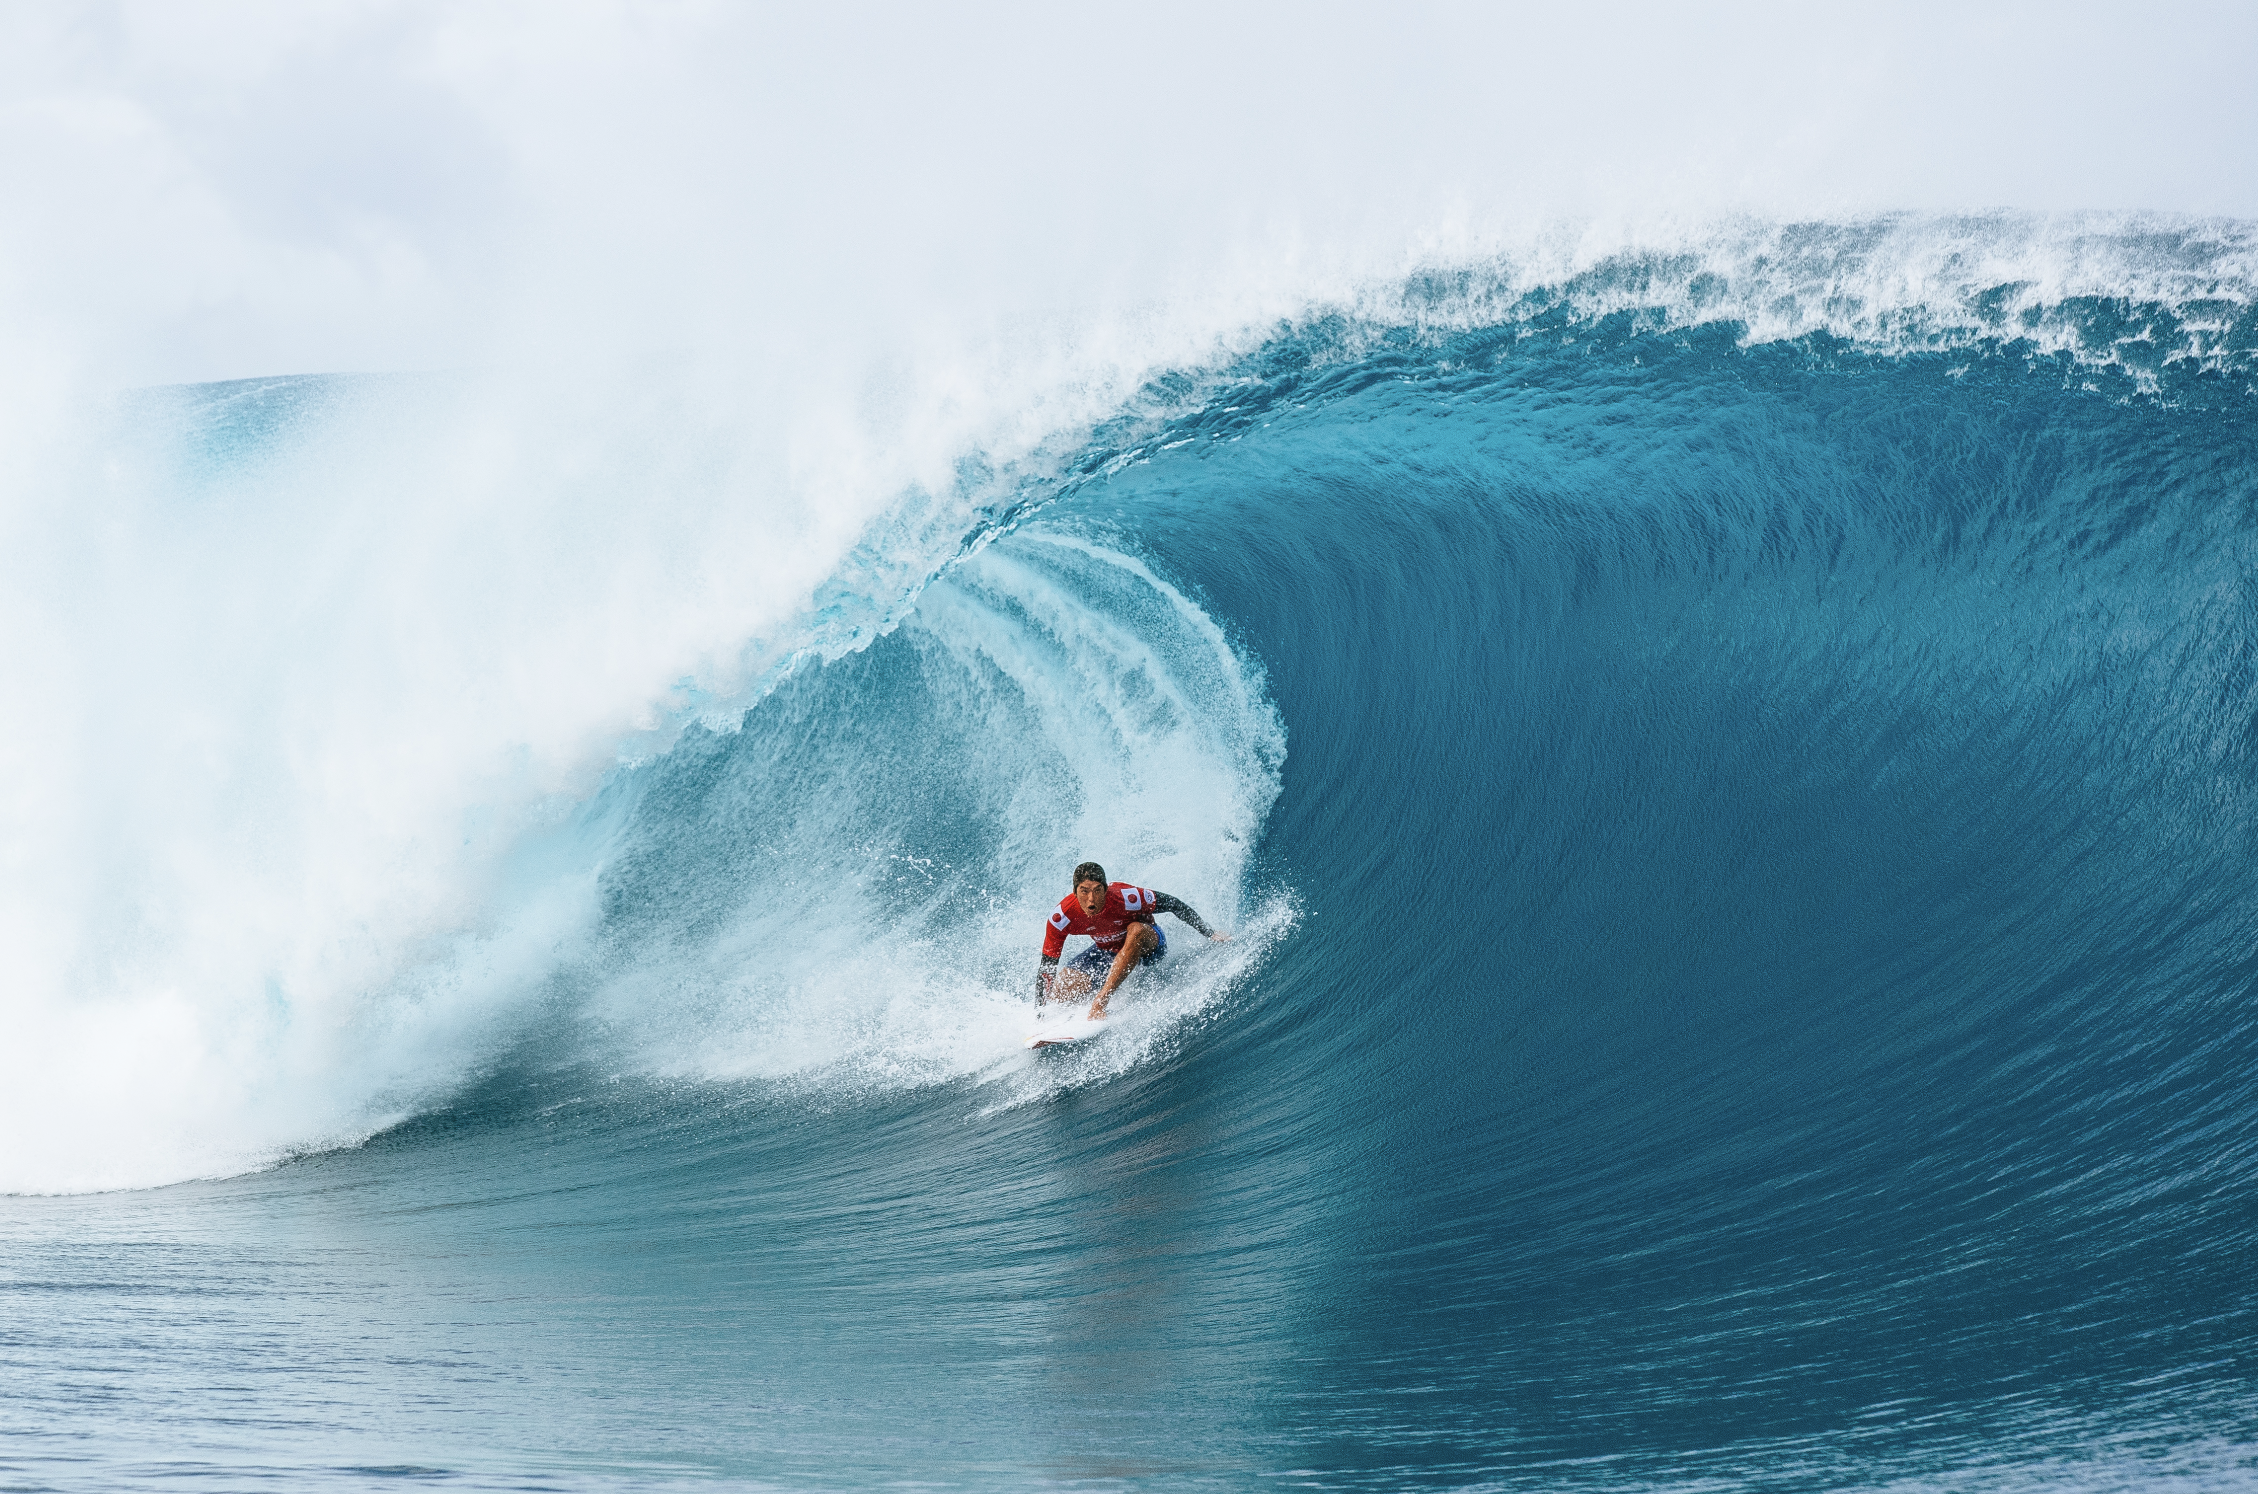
{"x": 1119, "y": 921}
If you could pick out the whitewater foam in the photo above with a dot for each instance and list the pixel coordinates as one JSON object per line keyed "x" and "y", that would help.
{"x": 314, "y": 659}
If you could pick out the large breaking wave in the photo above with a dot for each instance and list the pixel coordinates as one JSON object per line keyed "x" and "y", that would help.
{"x": 1732, "y": 770}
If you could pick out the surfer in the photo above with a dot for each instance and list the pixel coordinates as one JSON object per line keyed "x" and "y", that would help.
{"x": 1119, "y": 920}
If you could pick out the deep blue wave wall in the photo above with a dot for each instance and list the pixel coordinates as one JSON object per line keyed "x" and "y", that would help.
{"x": 1775, "y": 824}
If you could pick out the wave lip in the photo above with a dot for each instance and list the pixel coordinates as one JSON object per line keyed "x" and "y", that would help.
{"x": 2143, "y": 293}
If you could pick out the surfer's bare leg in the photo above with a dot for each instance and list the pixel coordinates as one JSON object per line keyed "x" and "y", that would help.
{"x": 1134, "y": 948}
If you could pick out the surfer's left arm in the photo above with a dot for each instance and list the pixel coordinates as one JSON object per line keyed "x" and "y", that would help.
{"x": 1163, "y": 903}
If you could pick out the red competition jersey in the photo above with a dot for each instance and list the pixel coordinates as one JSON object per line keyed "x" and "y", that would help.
{"x": 1124, "y": 905}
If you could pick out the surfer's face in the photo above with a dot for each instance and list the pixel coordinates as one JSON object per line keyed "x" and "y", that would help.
{"x": 1091, "y": 895}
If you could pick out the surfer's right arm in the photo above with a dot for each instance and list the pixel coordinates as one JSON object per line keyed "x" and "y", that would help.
{"x": 1054, "y": 945}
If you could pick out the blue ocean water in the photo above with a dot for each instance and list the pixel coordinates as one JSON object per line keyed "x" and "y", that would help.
{"x": 1740, "y": 856}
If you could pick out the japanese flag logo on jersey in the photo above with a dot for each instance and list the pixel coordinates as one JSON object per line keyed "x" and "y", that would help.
{"x": 1133, "y": 898}
{"x": 1058, "y": 920}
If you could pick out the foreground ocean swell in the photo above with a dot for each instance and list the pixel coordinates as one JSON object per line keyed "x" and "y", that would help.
{"x": 1769, "y": 1002}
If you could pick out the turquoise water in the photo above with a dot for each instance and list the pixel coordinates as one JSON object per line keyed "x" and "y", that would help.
{"x": 1740, "y": 857}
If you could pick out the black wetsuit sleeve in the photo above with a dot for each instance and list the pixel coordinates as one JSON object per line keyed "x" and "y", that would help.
{"x": 1163, "y": 903}
{"x": 1045, "y": 968}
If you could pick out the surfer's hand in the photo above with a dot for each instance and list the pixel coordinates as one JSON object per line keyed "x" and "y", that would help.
{"x": 1219, "y": 937}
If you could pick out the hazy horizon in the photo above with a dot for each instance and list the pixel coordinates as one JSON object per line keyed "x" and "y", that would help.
{"x": 264, "y": 189}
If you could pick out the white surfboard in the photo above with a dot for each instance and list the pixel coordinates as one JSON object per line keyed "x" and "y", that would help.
{"x": 1069, "y": 1025}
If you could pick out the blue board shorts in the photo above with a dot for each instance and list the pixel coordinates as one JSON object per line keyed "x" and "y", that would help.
{"x": 1095, "y": 962}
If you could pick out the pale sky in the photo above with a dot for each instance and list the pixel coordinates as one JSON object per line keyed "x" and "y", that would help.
{"x": 202, "y": 191}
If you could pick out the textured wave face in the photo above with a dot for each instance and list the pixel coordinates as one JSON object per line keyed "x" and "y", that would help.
{"x": 1730, "y": 775}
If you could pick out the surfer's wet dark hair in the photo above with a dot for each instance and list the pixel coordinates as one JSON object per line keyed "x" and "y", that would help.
{"x": 1089, "y": 871}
